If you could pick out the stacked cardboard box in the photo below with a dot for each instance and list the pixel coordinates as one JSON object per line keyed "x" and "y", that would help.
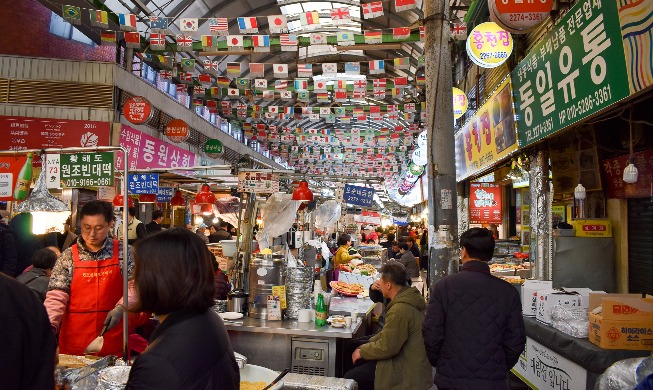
{"x": 624, "y": 321}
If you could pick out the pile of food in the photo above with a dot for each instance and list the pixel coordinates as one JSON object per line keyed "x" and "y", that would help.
{"x": 247, "y": 385}
{"x": 512, "y": 279}
{"x": 501, "y": 267}
{"x": 351, "y": 289}
{"x": 357, "y": 268}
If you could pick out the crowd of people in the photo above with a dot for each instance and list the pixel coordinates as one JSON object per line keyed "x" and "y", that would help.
{"x": 65, "y": 299}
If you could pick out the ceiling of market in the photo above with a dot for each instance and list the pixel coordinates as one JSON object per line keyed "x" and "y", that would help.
{"x": 204, "y": 9}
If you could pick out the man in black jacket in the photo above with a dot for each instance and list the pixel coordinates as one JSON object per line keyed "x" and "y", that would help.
{"x": 8, "y": 251}
{"x": 155, "y": 225}
{"x": 474, "y": 329}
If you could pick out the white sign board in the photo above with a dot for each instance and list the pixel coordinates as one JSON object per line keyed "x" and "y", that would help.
{"x": 542, "y": 368}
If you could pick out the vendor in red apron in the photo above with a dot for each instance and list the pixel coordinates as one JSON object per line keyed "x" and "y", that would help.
{"x": 85, "y": 290}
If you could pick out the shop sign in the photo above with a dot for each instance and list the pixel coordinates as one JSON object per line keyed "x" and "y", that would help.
{"x": 143, "y": 183}
{"x": 177, "y": 131}
{"x": 488, "y": 136}
{"x": 359, "y": 196}
{"x": 10, "y": 167}
{"x": 147, "y": 152}
{"x": 20, "y": 133}
{"x": 400, "y": 221}
{"x": 106, "y": 193}
{"x": 213, "y": 148}
{"x": 489, "y": 45}
{"x": 368, "y": 218}
{"x": 164, "y": 194}
{"x": 485, "y": 203}
{"x": 518, "y": 16}
{"x": 459, "y": 103}
{"x": 137, "y": 110}
{"x": 542, "y": 368}
{"x": 613, "y": 171}
{"x": 258, "y": 182}
{"x": 577, "y": 70}
{"x": 80, "y": 170}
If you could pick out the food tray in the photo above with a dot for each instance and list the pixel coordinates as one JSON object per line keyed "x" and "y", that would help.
{"x": 334, "y": 286}
{"x": 294, "y": 381}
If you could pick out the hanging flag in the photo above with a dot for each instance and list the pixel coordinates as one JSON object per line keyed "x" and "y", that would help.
{"x": 339, "y": 111}
{"x": 324, "y": 111}
{"x": 358, "y": 94}
{"x": 273, "y": 109}
{"x": 309, "y": 19}
{"x": 188, "y": 25}
{"x": 199, "y": 91}
{"x": 212, "y": 106}
{"x": 421, "y": 33}
{"x": 459, "y": 31}
{"x": 277, "y": 24}
{"x": 376, "y": 67}
{"x": 401, "y": 81}
{"x": 301, "y": 84}
{"x": 165, "y": 75}
{"x": 167, "y": 62}
{"x": 186, "y": 77}
{"x": 242, "y": 83}
{"x": 187, "y": 63}
{"x": 319, "y": 86}
{"x": 396, "y": 92}
{"x": 132, "y": 40}
{"x": 159, "y": 24}
{"x": 286, "y": 95}
{"x": 72, "y": 14}
{"x": 409, "y": 107}
{"x": 304, "y": 70}
{"x": 400, "y": 33}
{"x": 247, "y": 25}
{"x": 360, "y": 85}
{"x": 404, "y": 5}
{"x": 256, "y": 69}
{"x": 223, "y": 82}
{"x": 352, "y": 67}
{"x": 346, "y": 38}
{"x": 268, "y": 95}
{"x": 233, "y": 92}
{"x": 204, "y": 79}
{"x": 373, "y": 36}
{"x": 261, "y": 43}
{"x": 340, "y": 85}
{"x": 401, "y": 63}
{"x": 157, "y": 41}
{"x": 421, "y": 80}
{"x": 318, "y": 39}
{"x": 233, "y": 69}
{"x": 99, "y": 18}
{"x": 288, "y": 42}
{"x": 329, "y": 69}
{"x": 379, "y": 83}
{"x": 226, "y": 107}
{"x": 235, "y": 42}
{"x": 260, "y": 84}
{"x": 218, "y": 26}
{"x": 303, "y": 96}
{"x": 209, "y": 42}
{"x": 211, "y": 66}
{"x": 340, "y": 15}
{"x": 108, "y": 38}
{"x": 198, "y": 102}
{"x": 322, "y": 97}
{"x": 280, "y": 70}
{"x": 372, "y": 10}
{"x": 280, "y": 85}
{"x": 421, "y": 60}
{"x": 379, "y": 93}
{"x": 127, "y": 22}
{"x": 184, "y": 43}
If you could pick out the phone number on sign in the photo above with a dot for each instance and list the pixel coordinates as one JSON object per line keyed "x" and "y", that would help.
{"x": 598, "y": 98}
{"x": 499, "y": 54}
{"x": 102, "y": 181}
{"x": 542, "y": 128}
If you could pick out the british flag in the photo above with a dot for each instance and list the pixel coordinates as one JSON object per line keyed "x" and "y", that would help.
{"x": 379, "y": 92}
{"x": 184, "y": 43}
{"x": 360, "y": 85}
{"x": 340, "y": 15}
{"x": 165, "y": 74}
{"x": 372, "y": 10}
{"x": 459, "y": 31}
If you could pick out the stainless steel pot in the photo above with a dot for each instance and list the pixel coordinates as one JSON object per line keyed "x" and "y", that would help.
{"x": 237, "y": 301}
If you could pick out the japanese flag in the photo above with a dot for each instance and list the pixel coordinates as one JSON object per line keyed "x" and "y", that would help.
{"x": 235, "y": 41}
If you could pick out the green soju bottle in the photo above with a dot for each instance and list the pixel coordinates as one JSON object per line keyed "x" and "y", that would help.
{"x": 24, "y": 179}
{"x": 320, "y": 311}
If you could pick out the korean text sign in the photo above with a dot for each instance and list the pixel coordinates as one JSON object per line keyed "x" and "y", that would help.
{"x": 164, "y": 194}
{"x": 258, "y": 182}
{"x": 488, "y": 136}
{"x": 613, "y": 171}
{"x": 359, "y": 196}
{"x": 9, "y": 169}
{"x": 143, "y": 183}
{"x": 484, "y": 203}
{"x": 20, "y": 133}
{"x": 82, "y": 169}
{"x": 147, "y": 152}
{"x": 577, "y": 70}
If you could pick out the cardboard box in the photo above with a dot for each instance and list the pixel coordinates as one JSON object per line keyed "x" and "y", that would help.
{"x": 625, "y": 321}
{"x": 546, "y": 299}
{"x": 592, "y": 227}
{"x": 584, "y": 293}
{"x": 529, "y": 295}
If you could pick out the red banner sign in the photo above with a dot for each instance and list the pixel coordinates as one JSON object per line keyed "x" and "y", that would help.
{"x": 137, "y": 110}
{"x": 20, "y": 133}
{"x": 10, "y": 167}
{"x": 485, "y": 203}
{"x": 613, "y": 171}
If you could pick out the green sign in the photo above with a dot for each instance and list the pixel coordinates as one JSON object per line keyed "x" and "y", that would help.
{"x": 577, "y": 70}
{"x": 213, "y": 148}
{"x": 86, "y": 169}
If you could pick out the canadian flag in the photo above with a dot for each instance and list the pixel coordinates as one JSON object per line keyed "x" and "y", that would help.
{"x": 273, "y": 109}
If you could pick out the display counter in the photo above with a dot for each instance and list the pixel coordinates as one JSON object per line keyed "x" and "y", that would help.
{"x": 555, "y": 360}
{"x": 301, "y": 346}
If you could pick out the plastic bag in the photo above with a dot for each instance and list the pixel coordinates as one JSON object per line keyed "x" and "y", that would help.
{"x": 574, "y": 322}
{"x": 625, "y": 374}
{"x": 327, "y": 214}
{"x": 278, "y": 214}
{"x": 228, "y": 209}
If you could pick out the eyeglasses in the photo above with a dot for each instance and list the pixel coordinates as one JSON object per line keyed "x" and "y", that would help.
{"x": 94, "y": 229}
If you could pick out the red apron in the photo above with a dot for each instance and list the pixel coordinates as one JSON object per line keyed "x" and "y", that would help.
{"x": 94, "y": 291}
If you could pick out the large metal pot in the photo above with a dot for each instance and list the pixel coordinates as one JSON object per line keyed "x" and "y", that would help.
{"x": 237, "y": 301}
{"x": 265, "y": 271}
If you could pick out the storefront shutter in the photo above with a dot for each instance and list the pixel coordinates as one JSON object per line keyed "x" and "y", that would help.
{"x": 640, "y": 245}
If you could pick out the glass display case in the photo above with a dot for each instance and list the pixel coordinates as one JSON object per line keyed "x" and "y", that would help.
{"x": 375, "y": 255}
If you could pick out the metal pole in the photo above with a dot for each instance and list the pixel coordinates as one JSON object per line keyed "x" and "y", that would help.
{"x": 540, "y": 213}
{"x": 441, "y": 169}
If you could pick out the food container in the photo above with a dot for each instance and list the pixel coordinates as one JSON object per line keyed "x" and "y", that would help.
{"x": 228, "y": 247}
{"x": 113, "y": 378}
{"x": 237, "y": 301}
{"x": 253, "y": 373}
{"x": 265, "y": 271}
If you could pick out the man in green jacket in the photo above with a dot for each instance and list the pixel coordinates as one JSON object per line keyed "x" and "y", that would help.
{"x": 395, "y": 358}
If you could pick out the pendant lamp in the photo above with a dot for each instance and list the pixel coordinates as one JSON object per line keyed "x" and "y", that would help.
{"x": 119, "y": 201}
{"x": 303, "y": 193}
{"x": 178, "y": 200}
{"x": 147, "y": 198}
{"x": 205, "y": 196}
{"x": 48, "y": 212}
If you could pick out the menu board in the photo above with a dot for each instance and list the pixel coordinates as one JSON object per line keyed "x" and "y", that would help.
{"x": 258, "y": 182}
{"x": 80, "y": 170}
{"x": 20, "y": 133}
{"x": 485, "y": 203}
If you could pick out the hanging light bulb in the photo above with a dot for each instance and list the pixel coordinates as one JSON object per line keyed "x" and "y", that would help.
{"x": 580, "y": 195}
{"x": 178, "y": 201}
{"x": 630, "y": 173}
{"x": 48, "y": 212}
{"x": 205, "y": 196}
{"x": 579, "y": 192}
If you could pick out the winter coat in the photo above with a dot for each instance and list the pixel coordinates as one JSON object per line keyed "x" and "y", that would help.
{"x": 8, "y": 251}
{"x": 409, "y": 261}
{"x": 342, "y": 256}
{"x": 474, "y": 329}
{"x": 187, "y": 351}
{"x": 36, "y": 280}
{"x": 399, "y": 347}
